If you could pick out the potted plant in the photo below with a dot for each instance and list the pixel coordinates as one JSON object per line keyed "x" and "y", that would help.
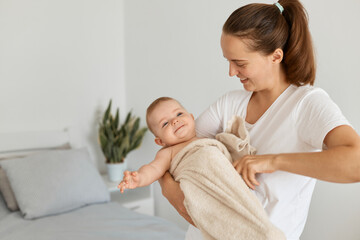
{"x": 118, "y": 140}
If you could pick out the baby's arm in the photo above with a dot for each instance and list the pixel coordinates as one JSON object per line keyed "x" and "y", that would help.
{"x": 148, "y": 173}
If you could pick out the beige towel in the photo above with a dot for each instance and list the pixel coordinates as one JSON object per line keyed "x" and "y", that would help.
{"x": 236, "y": 138}
{"x": 217, "y": 199}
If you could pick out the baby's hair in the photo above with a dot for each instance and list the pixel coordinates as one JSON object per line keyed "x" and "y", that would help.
{"x": 153, "y": 105}
{"x": 269, "y": 28}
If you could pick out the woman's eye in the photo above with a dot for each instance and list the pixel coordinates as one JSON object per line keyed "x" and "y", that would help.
{"x": 165, "y": 123}
{"x": 240, "y": 65}
{"x": 179, "y": 114}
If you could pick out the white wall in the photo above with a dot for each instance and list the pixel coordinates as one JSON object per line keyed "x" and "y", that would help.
{"x": 60, "y": 63}
{"x": 172, "y": 48}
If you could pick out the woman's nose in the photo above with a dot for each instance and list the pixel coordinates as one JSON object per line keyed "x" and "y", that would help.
{"x": 232, "y": 70}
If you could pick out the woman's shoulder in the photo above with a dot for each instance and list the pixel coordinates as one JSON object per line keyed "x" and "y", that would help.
{"x": 308, "y": 93}
{"x": 307, "y": 90}
{"x": 308, "y": 98}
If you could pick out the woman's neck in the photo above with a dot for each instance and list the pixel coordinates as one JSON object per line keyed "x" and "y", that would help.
{"x": 261, "y": 100}
{"x": 271, "y": 93}
{"x": 268, "y": 96}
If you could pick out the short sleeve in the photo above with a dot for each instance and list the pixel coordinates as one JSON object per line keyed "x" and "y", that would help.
{"x": 210, "y": 122}
{"x": 316, "y": 115}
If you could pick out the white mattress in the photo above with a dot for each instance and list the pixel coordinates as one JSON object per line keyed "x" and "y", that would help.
{"x": 97, "y": 221}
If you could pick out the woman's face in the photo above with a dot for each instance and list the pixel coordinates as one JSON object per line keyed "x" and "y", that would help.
{"x": 255, "y": 70}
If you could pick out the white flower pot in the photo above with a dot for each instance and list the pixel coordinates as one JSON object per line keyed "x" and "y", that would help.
{"x": 116, "y": 171}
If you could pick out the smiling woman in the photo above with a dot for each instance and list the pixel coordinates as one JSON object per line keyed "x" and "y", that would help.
{"x": 246, "y": 64}
{"x": 300, "y": 133}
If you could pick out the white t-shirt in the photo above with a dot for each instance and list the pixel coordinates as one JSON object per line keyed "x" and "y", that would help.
{"x": 297, "y": 121}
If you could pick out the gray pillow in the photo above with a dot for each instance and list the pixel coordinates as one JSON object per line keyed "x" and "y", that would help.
{"x": 5, "y": 187}
{"x": 7, "y": 192}
{"x": 54, "y": 182}
{"x": 3, "y": 209}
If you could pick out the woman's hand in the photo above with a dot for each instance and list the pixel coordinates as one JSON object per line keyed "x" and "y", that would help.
{"x": 249, "y": 165}
{"x": 172, "y": 191}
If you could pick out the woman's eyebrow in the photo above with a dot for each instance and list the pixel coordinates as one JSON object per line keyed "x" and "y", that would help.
{"x": 236, "y": 60}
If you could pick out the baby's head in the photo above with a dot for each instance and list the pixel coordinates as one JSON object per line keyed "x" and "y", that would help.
{"x": 168, "y": 120}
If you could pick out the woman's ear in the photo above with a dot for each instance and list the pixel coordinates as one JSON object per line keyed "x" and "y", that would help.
{"x": 159, "y": 142}
{"x": 277, "y": 55}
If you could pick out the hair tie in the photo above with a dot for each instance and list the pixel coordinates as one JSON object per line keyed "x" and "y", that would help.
{"x": 279, "y": 6}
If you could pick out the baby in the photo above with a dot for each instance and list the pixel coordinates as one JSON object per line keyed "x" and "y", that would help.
{"x": 174, "y": 128}
{"x": 217, "y": 199}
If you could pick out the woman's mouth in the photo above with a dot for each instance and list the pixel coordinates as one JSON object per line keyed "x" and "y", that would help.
{"x": 244, "y": 80}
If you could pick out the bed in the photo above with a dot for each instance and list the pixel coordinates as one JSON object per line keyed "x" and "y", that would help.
{"x": 50, "y": 189}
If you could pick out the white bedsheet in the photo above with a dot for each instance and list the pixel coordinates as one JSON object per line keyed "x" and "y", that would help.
{"x": 97, "y": 221}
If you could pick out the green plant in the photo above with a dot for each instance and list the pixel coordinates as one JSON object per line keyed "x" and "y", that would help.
{"x": 117, "y": 140}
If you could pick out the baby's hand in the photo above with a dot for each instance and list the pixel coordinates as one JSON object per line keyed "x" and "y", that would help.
{"x": 130, "y": 181}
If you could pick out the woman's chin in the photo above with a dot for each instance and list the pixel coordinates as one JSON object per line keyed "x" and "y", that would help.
{"x": 248, "y": 87}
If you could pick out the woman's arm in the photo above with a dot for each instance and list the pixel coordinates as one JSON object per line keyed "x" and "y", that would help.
{"x": 172, "y": 192}
{"x": 339, "y": 163}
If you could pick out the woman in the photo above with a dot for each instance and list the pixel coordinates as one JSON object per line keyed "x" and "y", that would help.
{"x": 300, "y": 134}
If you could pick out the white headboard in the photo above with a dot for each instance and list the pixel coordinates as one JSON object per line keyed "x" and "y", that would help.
{"x": 11, "y": 142}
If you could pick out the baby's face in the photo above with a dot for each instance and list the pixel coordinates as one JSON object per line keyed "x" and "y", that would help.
{"x": 171, "y": 123}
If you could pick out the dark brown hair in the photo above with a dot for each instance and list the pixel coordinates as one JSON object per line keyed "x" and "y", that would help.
{"x": 268, "y": 29}
{"x": 152, "y": 106}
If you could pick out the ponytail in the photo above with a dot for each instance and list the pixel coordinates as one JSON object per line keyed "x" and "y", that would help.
{"x": 269, "y": 28}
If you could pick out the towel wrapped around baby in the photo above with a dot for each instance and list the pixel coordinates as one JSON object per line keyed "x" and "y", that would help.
{"x": 217, "y": 199}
